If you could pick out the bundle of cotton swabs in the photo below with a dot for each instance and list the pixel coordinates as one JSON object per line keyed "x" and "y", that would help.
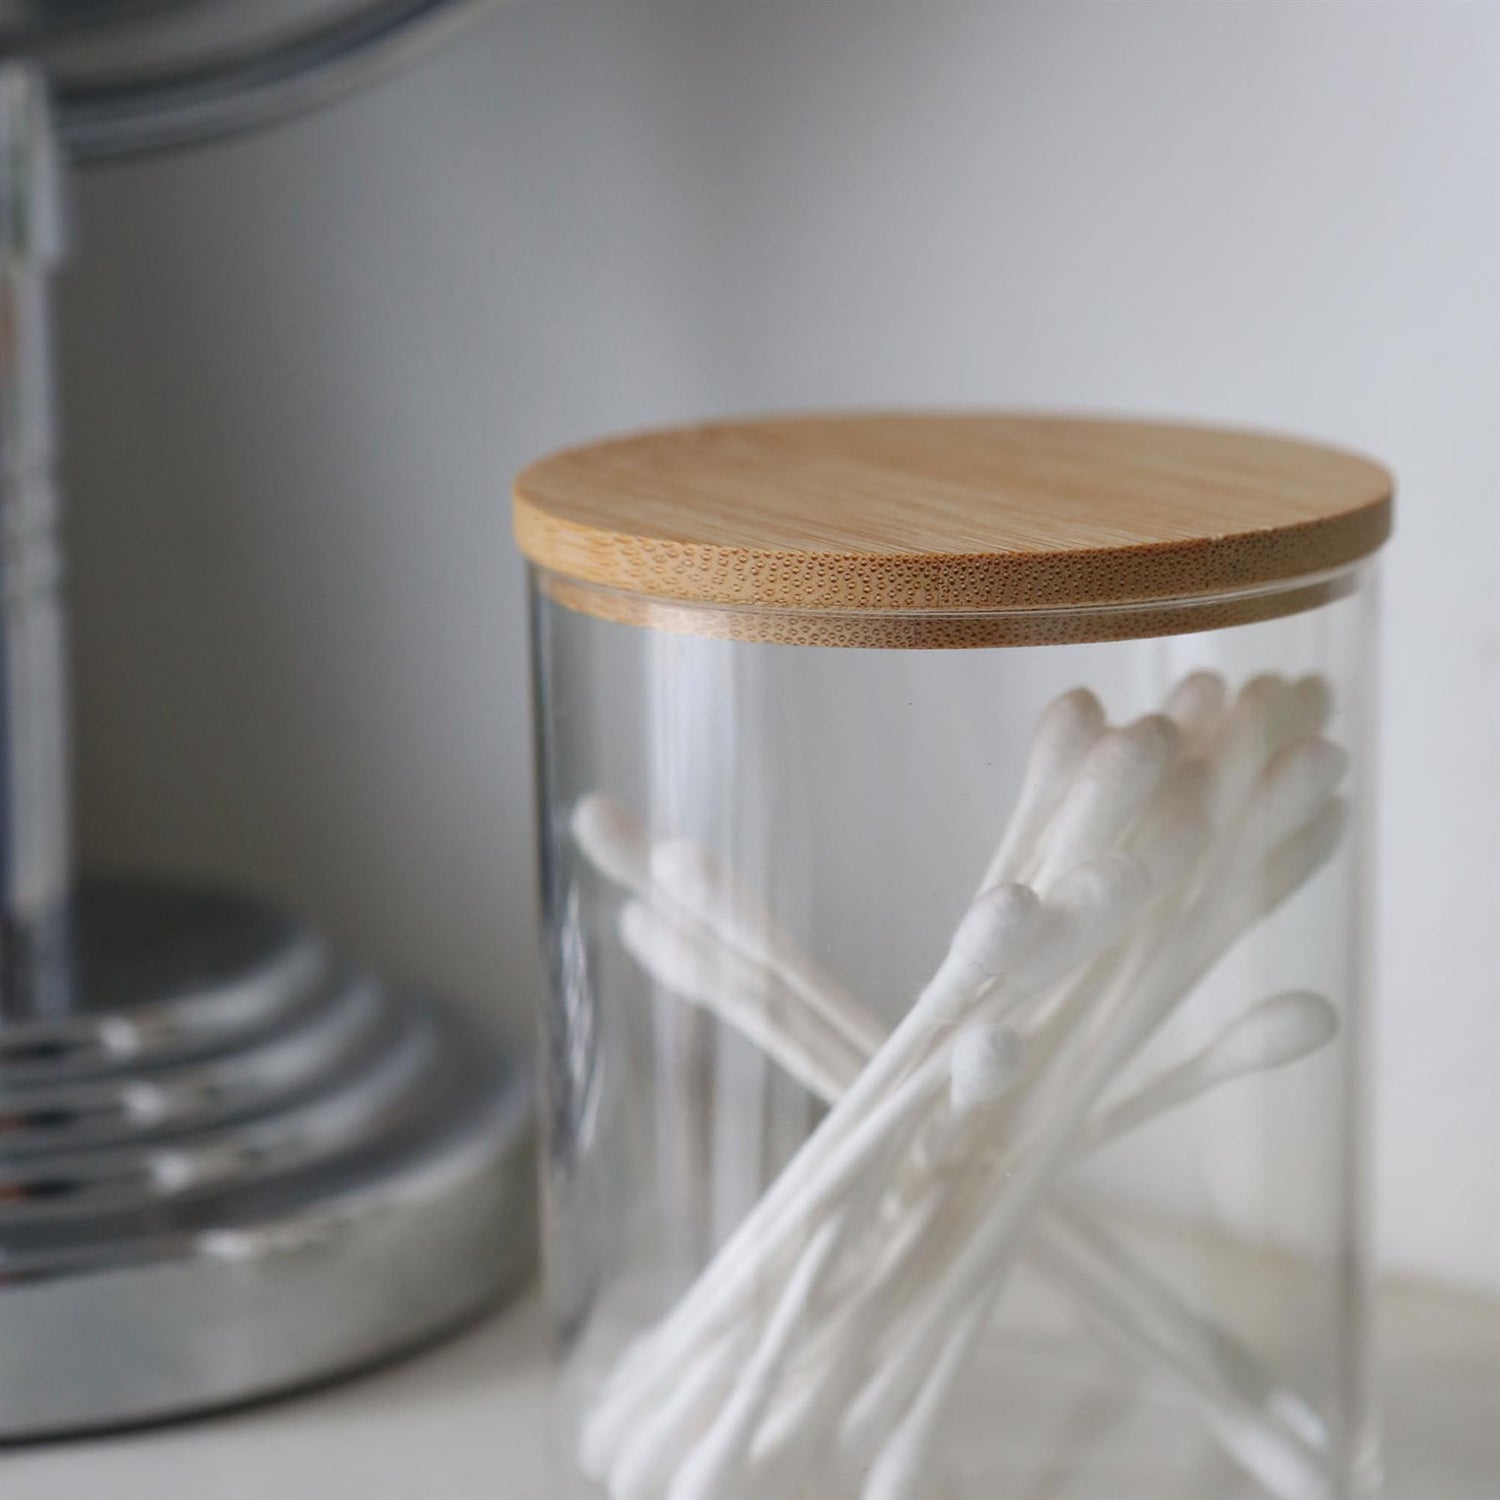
{"x": 1136, "y": 856}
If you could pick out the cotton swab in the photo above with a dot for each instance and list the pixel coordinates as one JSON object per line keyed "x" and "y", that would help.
{"x": 615, "y": 842}
{"x": 906, "y": 1462}
{"x": 873, "y": 1410}
{"x": 999, "y": 926}
{"x": 1143, "y": 790}
{"x": 983, "y": 1068}
{"x": 1242, "y": 742}
{"x": 1118, "y": 776}
{"x": 983, "y": 1065}
{"x": 970, "y": 1284}
{"x": 1196, "y": 707}
{"x": 767, "y": 1232}
{"x": 1174, "y": 831}
{"x": 639, "y": 1461}
{"x": 1269, "y": 712}
{"x": 714, "y": 1468}
{"x": 987, "y": 1060}
{"x": 1305, "y": 709}
{"x": 1296, "y": 781}
{"x": 1271, "y": 1034}
{"x": 698, "y": 882}
{"x": 977, "y": 1044}
{"x": 1243, "y": 899}
{"x": 747, "y": 997}
{"x": 960, "y": 945}
{"x": 1280, "y": 1025}
{"x": 980, "y": 1067}
{"x": 1065, "y": 733}
{"x": 803, "y": 1424}
{"x": 689, "y": 878}
{"x": 1099, "y": 901}
{"x": 1089, "y": 910}
{"x": 996, "y": 930}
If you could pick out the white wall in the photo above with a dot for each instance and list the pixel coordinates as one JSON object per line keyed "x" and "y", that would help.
{"x": 300, "y": 369}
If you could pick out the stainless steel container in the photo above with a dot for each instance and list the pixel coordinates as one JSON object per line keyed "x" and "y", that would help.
{"x": 231, "y": 1161}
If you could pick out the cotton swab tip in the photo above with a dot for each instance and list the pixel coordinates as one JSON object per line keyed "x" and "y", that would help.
{"x": 1310, "y": 703}
{"x": 1067, "y": 728}
{"x": 1066, "y": 732}
{"x": 612, "y": 838}
{"x": 1128, "y": 761}
{"x": 1196, "y": 706}
{"x": 687, "y": 871}
{"x": 1296, "y": 782}
{"x": 1275, "y": 1032}
{"x": 996, "y": 928}
{"x": 1088, "y": 911}
{"x": 986, "y": 1062}
{"x": 1176, "y": 830}
{"x": 1122, "y": 771}
{"x": 1261, "y": 693}
{"x": 669, "y": 954}
{"x": 1104, "y": 894}
{"x": 1147, "y": 745}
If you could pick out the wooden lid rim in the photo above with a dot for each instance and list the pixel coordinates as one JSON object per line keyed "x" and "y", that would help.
{"x": 956, "y": 583}
{"x": 947, "y": 513}
{"x": 931, "y": 630}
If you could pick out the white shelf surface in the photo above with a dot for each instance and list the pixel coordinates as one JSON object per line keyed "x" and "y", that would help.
{"x": 464, "y": 1421}
{"x": 469, "y": 1421}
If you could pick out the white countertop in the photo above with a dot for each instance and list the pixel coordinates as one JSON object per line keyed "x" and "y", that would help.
{"x": 464, "y": 1421}
{"x": 468, "y": 1421}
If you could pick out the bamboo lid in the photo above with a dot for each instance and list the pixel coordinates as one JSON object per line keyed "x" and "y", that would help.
{"x": 947, "y": 528}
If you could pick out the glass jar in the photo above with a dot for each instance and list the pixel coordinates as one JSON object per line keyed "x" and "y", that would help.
{"x": 954, "y": 840}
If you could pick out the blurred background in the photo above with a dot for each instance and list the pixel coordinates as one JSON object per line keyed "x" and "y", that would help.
{"x": 299, "y": 369}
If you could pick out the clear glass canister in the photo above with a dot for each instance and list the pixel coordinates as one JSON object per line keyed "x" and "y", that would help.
{"x": 954, "y": 844}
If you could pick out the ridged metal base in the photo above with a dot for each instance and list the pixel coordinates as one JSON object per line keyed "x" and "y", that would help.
{"x": 239, "y": 1164}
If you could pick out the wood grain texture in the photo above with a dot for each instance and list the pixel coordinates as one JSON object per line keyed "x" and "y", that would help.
{"x": 892, "y": 630}
{"x": 949, "y": 514}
